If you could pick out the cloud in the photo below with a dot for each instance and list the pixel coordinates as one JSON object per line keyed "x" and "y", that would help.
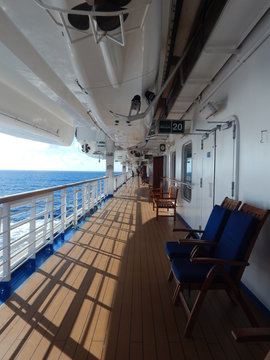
{"x": 22, "y": 154}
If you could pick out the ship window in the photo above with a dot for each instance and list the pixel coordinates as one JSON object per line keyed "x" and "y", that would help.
{"x": 187, "y": 170}
{"x": 173, "y": 167}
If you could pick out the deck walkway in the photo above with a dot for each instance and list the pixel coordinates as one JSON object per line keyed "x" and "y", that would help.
{"x": 105, "y": 295}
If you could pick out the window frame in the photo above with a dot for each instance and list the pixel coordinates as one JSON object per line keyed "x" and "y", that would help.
{"x": 186, "y": 157}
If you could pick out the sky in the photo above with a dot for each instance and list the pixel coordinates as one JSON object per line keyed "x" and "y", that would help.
{"x": 22, "y": 154}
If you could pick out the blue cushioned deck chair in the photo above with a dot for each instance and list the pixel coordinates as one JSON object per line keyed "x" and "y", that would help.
{"x": 212, "y": 231}
{"x": 224, "y": 269}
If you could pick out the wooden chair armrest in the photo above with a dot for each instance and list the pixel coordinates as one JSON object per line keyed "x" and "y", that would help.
{"x": 161, "y": 199}
{"x": 188, "y": 230}
{"x": 156, "y": 190}
{"x": 197, "y": 242}
{"x": 216, "y": 261}
{"x": 251, "y": 334}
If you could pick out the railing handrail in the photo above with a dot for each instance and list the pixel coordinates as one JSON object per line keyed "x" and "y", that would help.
{"x": 121, "y": 174}
{"x": 28, "y": 194}
{"x": 189, "y": 185}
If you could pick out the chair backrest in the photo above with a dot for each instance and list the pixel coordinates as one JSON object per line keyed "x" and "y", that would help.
{"x": 215, "y": 223}
{"x": 230, "y": 204}
{"x": 173, "y": 192}
{"x": 239, "y": 236}
{"x": 261, "y": 215}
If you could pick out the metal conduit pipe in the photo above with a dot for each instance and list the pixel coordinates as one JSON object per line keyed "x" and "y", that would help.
{"x": 253, "y": 41}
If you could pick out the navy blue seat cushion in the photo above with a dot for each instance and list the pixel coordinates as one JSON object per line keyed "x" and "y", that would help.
{"x": 233, "y": 244}
{"x": 216, "y": 223}
{"x": 212, "y": 232}
{"x": 186, "y": 272}
{"x": 236, "y": 236}
{"x": 175, "y": 250}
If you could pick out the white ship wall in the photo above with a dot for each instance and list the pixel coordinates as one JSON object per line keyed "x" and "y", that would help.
{"x": 246, "y": 94}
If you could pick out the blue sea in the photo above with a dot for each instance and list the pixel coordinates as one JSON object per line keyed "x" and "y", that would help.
{"x": 17, "y": 181}
{"x": 14, "y": 182}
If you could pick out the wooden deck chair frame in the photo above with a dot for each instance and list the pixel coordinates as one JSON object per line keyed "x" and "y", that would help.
{"x": 152, "y": 191}
{"x": 168, "y": 200}
{"x": 231, "y": 286}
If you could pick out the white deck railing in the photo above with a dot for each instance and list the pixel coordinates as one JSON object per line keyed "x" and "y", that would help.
{"x": 121, "y": 179}
{"x": 32, "y": 220}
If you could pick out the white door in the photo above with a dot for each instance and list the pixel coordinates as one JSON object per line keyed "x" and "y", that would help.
{"x": 225, "y": 182}
{"x": 207, "y": 179}
{"x": 219, "y": 168}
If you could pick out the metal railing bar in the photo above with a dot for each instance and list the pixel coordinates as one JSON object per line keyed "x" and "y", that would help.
{"x": 12, "y": 198}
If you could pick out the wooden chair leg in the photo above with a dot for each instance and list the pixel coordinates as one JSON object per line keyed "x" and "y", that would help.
{"x": 170, "y": 277}
{"x": 237, "y": 293}
{"x": 199, "y": 301}
{"x": 157, "y": 212}
{"x": 232, "y": 297}
{"x": 176, "y": 298}
{"x": 247, "y": 310}
{"x": 195, "y": 312}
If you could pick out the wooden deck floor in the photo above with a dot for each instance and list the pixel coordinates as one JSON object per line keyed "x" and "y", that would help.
{"x": 105, "y": 295}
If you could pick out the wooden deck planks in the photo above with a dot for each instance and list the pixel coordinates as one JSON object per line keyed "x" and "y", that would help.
{"x": 105, "y": 295}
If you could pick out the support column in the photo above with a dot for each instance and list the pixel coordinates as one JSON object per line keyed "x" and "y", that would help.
{"x": 109, "y": 173}
{"x": 110, "y": 165}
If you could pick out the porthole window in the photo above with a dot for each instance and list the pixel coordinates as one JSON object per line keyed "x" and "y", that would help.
{"x": 187, "y": 171}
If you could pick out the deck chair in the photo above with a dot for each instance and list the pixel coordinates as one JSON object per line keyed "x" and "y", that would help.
{"x": 167, "y": 200}
{"x": 155, "y": 191}
{"x": 222, "y": 270}
{"x": 212, "y": 231}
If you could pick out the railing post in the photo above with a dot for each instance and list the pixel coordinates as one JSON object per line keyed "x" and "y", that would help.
{"x": 99, "y": 190}
{"x": 46, "y": 219}
{"x": 6, "y": 242}
{"x": 32, "y": 231}
{"x": 88, "y": 195}
{"x": 75, "y": 201}
{"x": 105, "y": 188}
{"x": 102, "y": 188}
{"x": 63, "y": 210}
{"x": 84, "y": 200}
{"x": 95, "y": 193}
{"x": 51, "y": 210}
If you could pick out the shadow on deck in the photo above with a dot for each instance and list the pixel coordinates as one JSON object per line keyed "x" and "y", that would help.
{"x": 105, "y": 294}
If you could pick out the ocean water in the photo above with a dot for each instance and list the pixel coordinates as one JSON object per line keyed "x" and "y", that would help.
{"x": 18, "y": 181}
{"x": 14, "y": 182}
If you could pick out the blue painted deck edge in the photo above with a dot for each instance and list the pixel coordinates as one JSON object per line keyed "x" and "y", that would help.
{"x": 23, "y": 273}
{"x": 260, "y": 305}
{"x": 186, "y": 224}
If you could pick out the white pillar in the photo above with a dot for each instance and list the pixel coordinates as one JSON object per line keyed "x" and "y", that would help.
{"x": 109, "y": 173}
